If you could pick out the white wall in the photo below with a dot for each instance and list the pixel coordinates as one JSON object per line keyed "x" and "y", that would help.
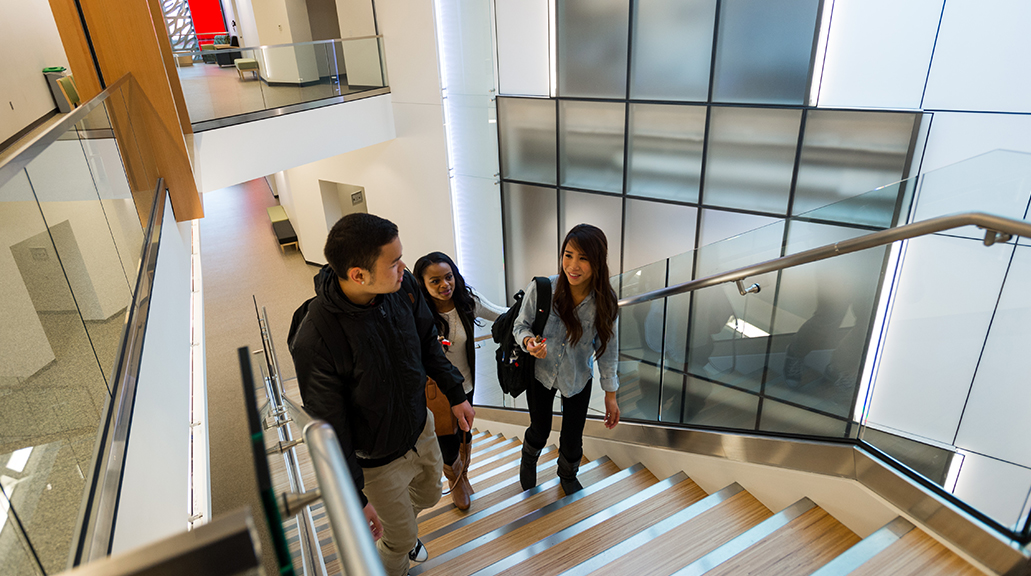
{"x": 235, "y": 154}
{"x": 29, "y": 42}
{"x": 405, "y": 179}
{"x": 154, "y": 500}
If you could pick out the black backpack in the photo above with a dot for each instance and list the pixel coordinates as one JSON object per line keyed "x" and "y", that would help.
{"x": 516, "y": 367}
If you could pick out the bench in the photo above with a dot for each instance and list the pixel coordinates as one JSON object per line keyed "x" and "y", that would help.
{"x": 246, "y": 65}
{"x": 282, "y": 228}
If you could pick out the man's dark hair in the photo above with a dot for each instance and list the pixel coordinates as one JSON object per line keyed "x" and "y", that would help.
{"x": 356, "y": 241}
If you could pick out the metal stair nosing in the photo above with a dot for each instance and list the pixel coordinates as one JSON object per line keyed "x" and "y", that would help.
{"x": 746, "y": 539}
{"x": 490, "y": 490}
{"x": 524, "y": 495}
{"x": 506, "y": 467}
{"x": 583, "y": 525}
{"x": 655, "y": 531}
{"x": 867, "y": 548}
{"x": 529, "y": 517}
{"x": 501, "y": 456}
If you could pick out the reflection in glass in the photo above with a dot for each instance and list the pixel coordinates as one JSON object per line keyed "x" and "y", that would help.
{"x": 780, "y": 417}
{"x": 605, "y": 212}
{"x": 666, "y": 151}
{"x": 823, "y": 321}
{"x": 591, "y": 145}
{"x": 640, "y": 343}
{"x": 15, "y": 552}
{"x": 763, "y": 51}
{"x": 751, "y": 158}
{"x": 711, "y": 404}
{"x": 592, "y": 47}
{"x": 845, "y": 154}
{"x": 531, "y": 234}
{"x": 672, "y": 49}
{"x": 527, "y": 139}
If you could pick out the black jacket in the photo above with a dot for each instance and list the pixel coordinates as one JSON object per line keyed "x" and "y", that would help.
{"x": 376, "y": 400}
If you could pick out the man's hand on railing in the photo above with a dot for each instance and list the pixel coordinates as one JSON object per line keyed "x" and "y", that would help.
{"x": 374, "y": 524}
{"x": 465, "y": 414}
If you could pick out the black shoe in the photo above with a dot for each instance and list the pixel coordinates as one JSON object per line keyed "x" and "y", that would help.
{"x": 528, "y": 467}
{"x": 418, "y": 554}
{"x": 567, "y": 470}
{"x": 793, "y": 368}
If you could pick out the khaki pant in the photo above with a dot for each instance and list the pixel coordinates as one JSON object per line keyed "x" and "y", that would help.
{"x": 399, "y": 491}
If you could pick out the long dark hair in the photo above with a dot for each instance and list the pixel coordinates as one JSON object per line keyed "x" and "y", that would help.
{"x": 462, "y": 295}
{"x": 592, "y": 242}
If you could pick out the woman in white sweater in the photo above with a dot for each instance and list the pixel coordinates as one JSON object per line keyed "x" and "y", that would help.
{"x": 456, "y": 307}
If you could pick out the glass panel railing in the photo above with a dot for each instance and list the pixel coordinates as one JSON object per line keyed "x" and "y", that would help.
{"x": 236, "y": 81}
{"x": 913, "y": 348}
{"x": 17, "y": 553}
{"x": 70, "y": 209}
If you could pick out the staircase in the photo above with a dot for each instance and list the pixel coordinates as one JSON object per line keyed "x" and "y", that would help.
{"x": 627, "y": 521}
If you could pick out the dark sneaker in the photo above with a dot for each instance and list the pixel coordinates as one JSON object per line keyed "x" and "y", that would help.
{"x": 418, "y": 553}
{"x": 793, "y": 367}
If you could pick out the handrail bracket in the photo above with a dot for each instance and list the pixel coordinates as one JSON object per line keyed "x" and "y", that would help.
{"x": 753, "y": 289}
{"x": 994, "y": 236}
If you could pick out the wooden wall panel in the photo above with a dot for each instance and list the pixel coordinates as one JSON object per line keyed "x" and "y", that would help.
{"x": 171, "y": 72}
{"x": 76, "y": 47}
{"x": 126, "y": 39}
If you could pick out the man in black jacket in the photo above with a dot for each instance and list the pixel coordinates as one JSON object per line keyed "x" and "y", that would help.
{"x": 362, "y": 354}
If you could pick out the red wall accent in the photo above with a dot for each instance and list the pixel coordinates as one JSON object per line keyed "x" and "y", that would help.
{"x": 207, "y": 19}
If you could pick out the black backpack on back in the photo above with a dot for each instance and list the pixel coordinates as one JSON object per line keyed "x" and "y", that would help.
{"x": 516, "y": 367}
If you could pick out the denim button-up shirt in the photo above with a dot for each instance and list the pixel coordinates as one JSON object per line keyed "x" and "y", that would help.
{"x": 568, "y": 367}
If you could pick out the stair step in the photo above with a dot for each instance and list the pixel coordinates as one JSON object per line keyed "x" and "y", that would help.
{"x": 586, "y": 538}
{"x": 542, "y": 522}
{"x": 514, "y": 509}
{"x": 499, "y": 479}
{"x": 914, "y": 554}
{"x": 867, "y": 549}
{"x": 683, "y": 538}
{"x": 489, "y": 447}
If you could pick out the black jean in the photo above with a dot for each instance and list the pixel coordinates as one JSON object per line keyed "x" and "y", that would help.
{"x": 449, "y": 444}
{"x": 574, "y": 414}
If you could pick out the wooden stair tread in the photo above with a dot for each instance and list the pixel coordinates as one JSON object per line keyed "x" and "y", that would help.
{"x": 528, "y": 534}
{"x": 916, "y": 553}
{"x": 494, "y": 521}
{"x": 569, "y": 553}
{"x": 800, "y": 547}
{"x": 492, "y": 448}
{"x": 441, "y": 520}
{"x": 691, "y": 540}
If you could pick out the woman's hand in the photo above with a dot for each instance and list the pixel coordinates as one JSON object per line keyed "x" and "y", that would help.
{"x": 611, "y": 410}
{"x": 536, "y": 346}
{"x": 373, "y": 519}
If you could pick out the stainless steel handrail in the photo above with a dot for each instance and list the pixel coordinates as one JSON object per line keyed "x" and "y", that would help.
{"x": 997, "y": 229}
{"x": 312, "y": 42}
{"x": 42, "y": 141}
{"x": 350, "y": 529}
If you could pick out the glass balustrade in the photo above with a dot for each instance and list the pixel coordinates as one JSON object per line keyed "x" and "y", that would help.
{"x": 915, "y": 349}
{"x": 70, "y": 219}
{"x": 236, "y": 81}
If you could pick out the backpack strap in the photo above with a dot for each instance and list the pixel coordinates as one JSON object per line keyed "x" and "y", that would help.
{"x": 543, "y": 304}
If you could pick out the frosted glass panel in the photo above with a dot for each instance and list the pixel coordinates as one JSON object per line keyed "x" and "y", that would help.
{"x": 763, "y": 51}
{"x": 710, "y": 404}
{"x": 523, "y": 60}
{"x": 655, "y": 231}
{"x": 720, "y": 224}
{"x": 751, "y": 158}
{"x": 591, "y": 145}
{"x": 996, "y": 411}
{"x": 640, "y": 343}
{"x": 605, "y": 212}
{"x": 474, "y": 140}
{"x": 845, "y": 154}
{"x": 527, "y": 139}
{"x": 531, "y": 234}
{"x": 888, "y": 73}
{"x": 672, "y": 49}
{"x": 941, "y": 310}
{"x": 779, "y": 417}
{"x": 998, "y": 489}
{"x": 592, "y": 47}
{"x": 666, "y": 144}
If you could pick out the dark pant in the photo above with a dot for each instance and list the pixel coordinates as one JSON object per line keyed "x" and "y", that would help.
{"x": 449, "y": 444}
{"x": 574, "y": 413}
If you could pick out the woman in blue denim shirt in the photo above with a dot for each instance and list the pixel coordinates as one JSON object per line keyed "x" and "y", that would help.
{"x": 580, "y": 328}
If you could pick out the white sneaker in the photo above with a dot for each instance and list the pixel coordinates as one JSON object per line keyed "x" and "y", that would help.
{"x": 418, "y": 553}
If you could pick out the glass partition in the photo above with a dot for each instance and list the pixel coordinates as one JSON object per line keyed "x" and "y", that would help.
{"x": 914, "y": 349}
{"x": 234, "y": 81}
{"x": 70, "y": 218}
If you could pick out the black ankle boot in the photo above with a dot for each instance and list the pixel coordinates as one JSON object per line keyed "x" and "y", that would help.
{"x": 528, "y": 466}
{"x": 567, "y": 470}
